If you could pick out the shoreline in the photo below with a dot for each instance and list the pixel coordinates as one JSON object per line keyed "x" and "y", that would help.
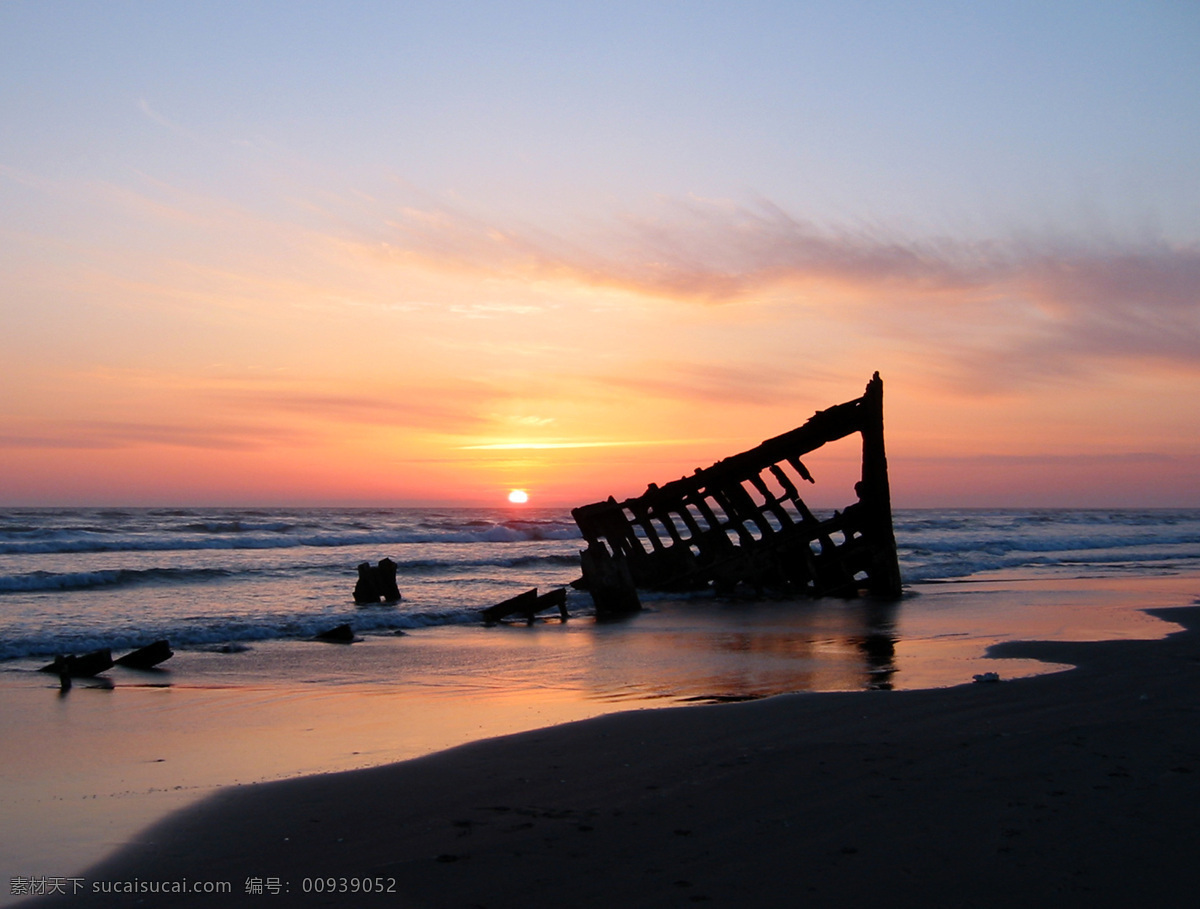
{"x": 1067, "y": 789}
{"x": 322, "y": 720}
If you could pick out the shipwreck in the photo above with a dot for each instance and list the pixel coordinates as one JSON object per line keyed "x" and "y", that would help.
{"x": 741, "y": 524}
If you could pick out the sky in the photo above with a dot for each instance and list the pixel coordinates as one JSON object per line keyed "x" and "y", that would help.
{"x": 379, "y": 253}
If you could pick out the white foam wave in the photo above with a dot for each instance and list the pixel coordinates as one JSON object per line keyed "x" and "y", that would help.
{"x": 232, "y": 630}
{"x": 87, "y": 542}
{"x": 86, "y": 580}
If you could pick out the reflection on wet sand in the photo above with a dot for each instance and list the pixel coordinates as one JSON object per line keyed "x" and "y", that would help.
{"x": 878, "y": 643}
{"x": 723, "y": 651}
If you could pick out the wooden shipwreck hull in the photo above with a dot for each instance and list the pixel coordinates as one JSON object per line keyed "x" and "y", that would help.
{"x": 742, "y": 522}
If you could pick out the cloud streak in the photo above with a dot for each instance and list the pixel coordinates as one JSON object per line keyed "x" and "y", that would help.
{"x": 1028, "y": 307}
{"x": 441, "y": 409}
{"x": 99, "y": 435}
{"x": 557, "y": 445}
{"x": 720, "y": 384}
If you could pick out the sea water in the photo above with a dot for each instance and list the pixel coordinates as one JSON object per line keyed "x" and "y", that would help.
{"x": 90, "y": 765}
{"x": 76, "y": 579}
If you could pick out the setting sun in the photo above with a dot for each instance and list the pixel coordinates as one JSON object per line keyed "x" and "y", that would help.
{"x": 518, "y": 497}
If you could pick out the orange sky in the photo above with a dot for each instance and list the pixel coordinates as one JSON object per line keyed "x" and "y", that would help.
{"x": 519, "y": 276}
{"x": 448, "y": 360}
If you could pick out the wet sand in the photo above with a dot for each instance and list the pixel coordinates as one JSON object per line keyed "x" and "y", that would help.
{"x": 1047, "y": 790}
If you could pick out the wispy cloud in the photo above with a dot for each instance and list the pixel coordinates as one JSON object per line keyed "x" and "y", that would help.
{"x": 27, "y": 178}
{"x": 693, "y": 250}
{"x": 755, "y": 385}
{"x": 163, "y": 121}
{"x": 1030, "y": 307}
{"x": 444, "y": 409}
{"x": 566, "y": 444}
{"x": 93, "y": 435}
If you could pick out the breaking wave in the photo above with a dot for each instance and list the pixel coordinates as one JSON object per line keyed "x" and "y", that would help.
{"x": 78, "y": 579}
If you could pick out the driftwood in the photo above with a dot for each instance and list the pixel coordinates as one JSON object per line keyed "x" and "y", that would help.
{"x": 742, "y": 522}
{"x": 338, "y": 634}
{"x": 84, "y": 666}
{"x": 528, "y": 604}
{"x": 147, "y": 657}
{"x": 555, "y": 599}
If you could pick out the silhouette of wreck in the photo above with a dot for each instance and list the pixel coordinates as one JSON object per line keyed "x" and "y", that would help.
{"x": 742, "y": 522}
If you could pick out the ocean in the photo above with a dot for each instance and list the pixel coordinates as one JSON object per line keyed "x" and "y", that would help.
{"x": 77, "y": 579}
{"x": 248, "y": 697}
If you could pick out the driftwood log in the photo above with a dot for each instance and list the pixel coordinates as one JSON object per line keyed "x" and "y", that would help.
{"x": 338, "y": 634}
{"x": 528, "y": 604}
{"x": 147, "y": 657}
{"x": 83, "y": 666}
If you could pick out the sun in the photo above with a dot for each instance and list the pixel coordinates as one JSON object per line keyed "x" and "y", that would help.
{"x": 518, "y": 497}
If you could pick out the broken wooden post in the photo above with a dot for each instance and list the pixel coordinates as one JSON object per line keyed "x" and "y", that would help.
{"x": 608, "y": 579}
{"x": 376, "y": 583}
{"x": 366, "y": 589}
{"x": 742, "y": 521}
{"x": 876, "y": 496}
{"x": 385, "y": 573}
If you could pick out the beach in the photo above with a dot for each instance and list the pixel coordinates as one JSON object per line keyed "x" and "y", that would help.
{"x": 445, "y": 459}
{"x": 289, "y": 768}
